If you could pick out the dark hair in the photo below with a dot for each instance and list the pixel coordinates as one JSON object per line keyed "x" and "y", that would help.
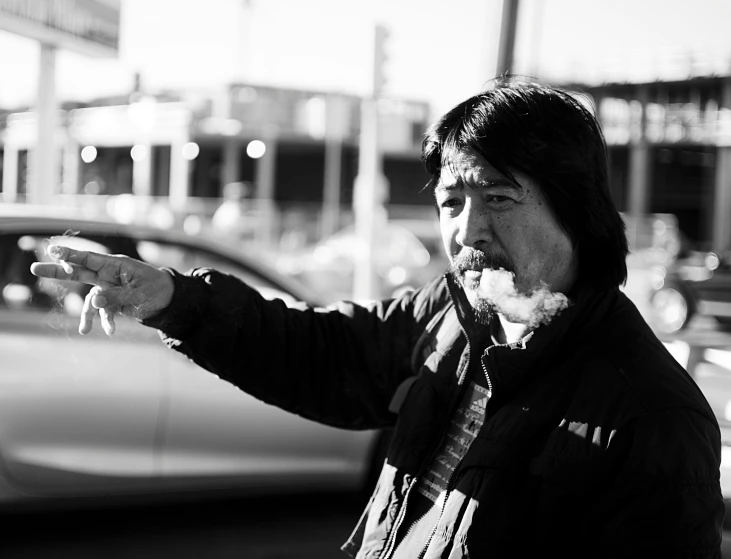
{"x": 547, "y": 134}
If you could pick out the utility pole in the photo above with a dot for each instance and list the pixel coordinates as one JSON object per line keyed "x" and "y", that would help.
{"x": 370, "y": 191}
{"x": 45, "y": 163}
{"x": 508, "y": 31}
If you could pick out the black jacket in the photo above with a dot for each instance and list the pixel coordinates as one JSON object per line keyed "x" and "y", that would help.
{"x": 596, "y": 443}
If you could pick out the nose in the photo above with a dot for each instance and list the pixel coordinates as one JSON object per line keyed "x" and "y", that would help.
{"x": 473, "y": 225}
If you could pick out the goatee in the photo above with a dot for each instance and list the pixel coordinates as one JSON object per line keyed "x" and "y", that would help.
{"x": 477, "y": 260}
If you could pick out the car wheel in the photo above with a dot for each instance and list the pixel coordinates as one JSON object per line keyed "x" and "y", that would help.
{"x": 672, "y": 308}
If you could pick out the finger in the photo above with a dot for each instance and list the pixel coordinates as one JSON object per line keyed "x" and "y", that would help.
{"x": 99, "y": 300}
{"x": 107, "y": 319}
{"x": 87, "y": 314}
{"x": 113, "y": 299}
{"x": 58, "y": 271}
{"x": 87, "y": 259}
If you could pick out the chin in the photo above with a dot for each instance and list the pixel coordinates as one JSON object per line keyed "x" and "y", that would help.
{"x": 484, "y": 310}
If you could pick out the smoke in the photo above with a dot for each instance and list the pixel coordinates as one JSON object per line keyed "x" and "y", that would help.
{"x": 540, "y": 307}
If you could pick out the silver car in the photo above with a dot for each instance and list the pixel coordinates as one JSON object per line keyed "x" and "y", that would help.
{"x": 98, "y": 416}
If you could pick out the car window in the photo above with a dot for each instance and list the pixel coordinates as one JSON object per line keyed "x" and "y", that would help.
{"x": 183, "y": 258}
{"x": 23, "y": 290}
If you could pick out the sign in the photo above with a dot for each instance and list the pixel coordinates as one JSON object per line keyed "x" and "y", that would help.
{"x": 89, "y": 27}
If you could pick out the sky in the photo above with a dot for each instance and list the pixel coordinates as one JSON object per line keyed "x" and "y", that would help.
{"x": 438, "y": 51}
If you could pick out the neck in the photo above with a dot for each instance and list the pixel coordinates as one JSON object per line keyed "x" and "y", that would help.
{"x": 512, "y": 332}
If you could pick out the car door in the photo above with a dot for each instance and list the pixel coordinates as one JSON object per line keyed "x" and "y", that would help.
{"x": 78, "y": 414}
{"x": 216, "y": 435}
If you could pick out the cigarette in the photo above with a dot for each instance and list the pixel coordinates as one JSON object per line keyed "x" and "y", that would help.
{"x": 66, "y": 267}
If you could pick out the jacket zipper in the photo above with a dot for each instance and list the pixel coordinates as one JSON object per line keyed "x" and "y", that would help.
{"x": 391, "y": 543}
{"x": 448, "y": 488}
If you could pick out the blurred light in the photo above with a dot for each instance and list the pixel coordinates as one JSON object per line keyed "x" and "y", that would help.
{"x": 92, "y": 187}
{"x": 138, "y": 152}
{"x": 719, "y": 357}
{"x": 659, "y": 227}
{"x": 192, "y": 225}
{"x": 73, "y": 304}
{"x": 17, "y": 295}
{"x": 659, "y": 271}
{"x": 322, "y": 254}
{"x": 256, "y": 149}
{"x": 191, "y": 151}
{"x": 712, "y": 261}
{"x": 122, "y": 208}
{"x": 397, "y": 275}
{"x": 657, "y": 277}
{"x": 27, "y": 243}
{"x": 217, "y": 125}
{"x": 161, "y": 217}
{"x": 88, "y": 154}
{"x": 231, "y": 127}
{"x": 315, "y": 117}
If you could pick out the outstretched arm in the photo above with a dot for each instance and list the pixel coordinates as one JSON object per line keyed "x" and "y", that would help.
{"x": 338, "y": 366}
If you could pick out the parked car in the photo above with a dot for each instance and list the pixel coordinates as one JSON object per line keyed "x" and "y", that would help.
{"x": 408, "y": 253}
{"x": 698, "y": 283}
{"x": 97, "y": 416}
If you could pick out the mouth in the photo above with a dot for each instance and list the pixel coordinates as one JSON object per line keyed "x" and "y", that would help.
{"x": 471, "y": 278}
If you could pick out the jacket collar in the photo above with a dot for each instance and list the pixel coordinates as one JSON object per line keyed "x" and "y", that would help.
{"x": 510, "y": 365}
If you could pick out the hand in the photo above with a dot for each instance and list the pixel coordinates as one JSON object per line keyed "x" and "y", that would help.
{"x": 121, "y": 284}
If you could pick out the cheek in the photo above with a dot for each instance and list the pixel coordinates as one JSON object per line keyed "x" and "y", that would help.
{"x": 550, "y": 260}
{"x": 446, "y": 227}
{"x": 540, "y": 252}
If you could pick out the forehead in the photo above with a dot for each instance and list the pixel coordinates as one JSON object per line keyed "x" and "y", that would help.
{"x": 466, "y": 166}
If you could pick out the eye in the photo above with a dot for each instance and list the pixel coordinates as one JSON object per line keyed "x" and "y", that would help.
{"x": 498, "y": 201}
{"x": 449, "y": 204}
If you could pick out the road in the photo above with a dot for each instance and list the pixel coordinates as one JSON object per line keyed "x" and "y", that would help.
{"x": 273, "y": 528}
{"x": 301, "y": 527}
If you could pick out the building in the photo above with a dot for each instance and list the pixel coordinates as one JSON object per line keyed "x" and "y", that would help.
{"x": 669, "y": 146}
{"x": 299, "y": 150}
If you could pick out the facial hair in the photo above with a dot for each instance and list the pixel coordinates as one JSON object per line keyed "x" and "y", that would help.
{"x": 471, "y": 259}
{"x": 495, "y": 292}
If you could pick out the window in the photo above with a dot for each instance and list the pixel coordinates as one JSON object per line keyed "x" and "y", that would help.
{"x": 184, "y": 258}
{"x": 23, "y": 290}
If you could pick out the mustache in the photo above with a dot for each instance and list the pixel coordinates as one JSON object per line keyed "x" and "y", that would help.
{"x": 473, "y": 259}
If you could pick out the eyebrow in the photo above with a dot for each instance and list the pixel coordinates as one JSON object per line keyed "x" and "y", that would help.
{"x": 491, "y": 183}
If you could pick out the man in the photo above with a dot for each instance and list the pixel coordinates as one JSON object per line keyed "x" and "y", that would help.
{"x": 535, "y": 412}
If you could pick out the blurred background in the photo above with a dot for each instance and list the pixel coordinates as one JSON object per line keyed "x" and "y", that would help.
{"x": 279, "y": 113}
{"x": 289, "y": 132}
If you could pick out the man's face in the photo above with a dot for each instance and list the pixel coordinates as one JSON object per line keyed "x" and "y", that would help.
{"x": 489, "y": 222}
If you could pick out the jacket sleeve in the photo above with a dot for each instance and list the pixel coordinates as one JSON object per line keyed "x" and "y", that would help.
{"x": 666, "y": 500}
{"x": 337, "y": 365}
